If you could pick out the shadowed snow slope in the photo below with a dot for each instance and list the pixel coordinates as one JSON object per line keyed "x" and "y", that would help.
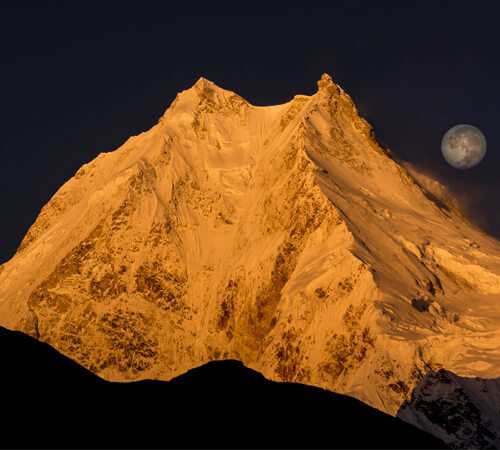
{"x": 284, "y": 237}
{"x": 463, "y": 411}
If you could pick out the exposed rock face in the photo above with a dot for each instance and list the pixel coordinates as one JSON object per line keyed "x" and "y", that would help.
{"x": 285, "y": 237}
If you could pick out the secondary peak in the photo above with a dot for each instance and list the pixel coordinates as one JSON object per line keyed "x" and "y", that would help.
{"x": 325, "y": 82}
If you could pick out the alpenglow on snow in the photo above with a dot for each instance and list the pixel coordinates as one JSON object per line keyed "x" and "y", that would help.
{"x": 284, "y": 236}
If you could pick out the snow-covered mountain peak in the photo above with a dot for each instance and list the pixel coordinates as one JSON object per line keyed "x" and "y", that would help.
{"x": 328, "y": 89}
{"x": 325, "y": 82}
{"x": 282, "y": 236}
{"x": 206, "y": 97}
{"x": 207, "y": 90}
{"x": 204, "y": 82}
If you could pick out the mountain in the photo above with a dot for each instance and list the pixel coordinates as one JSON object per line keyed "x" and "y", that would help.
{"x": 284, "y": 237}
{"x": 50, "y": 401}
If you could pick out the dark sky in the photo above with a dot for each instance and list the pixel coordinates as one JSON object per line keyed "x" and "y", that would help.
{"x": 79, "y": 80}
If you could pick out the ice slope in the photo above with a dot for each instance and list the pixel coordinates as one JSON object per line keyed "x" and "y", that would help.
{"x": 284, "y": 236}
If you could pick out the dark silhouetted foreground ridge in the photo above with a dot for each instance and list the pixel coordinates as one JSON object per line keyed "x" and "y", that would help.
{"x": 50, "y": 401}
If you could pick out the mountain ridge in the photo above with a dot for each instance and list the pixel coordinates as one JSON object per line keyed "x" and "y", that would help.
{"x": 222, "y": 404}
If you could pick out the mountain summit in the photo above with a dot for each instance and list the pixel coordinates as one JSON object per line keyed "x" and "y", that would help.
{"x": 284, "y": 237}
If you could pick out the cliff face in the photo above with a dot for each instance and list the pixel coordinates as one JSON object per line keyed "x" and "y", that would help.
{"x": 284, "y": 237}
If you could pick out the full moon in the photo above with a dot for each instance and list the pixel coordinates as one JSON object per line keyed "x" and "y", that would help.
{"x": 463, "y": 146}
